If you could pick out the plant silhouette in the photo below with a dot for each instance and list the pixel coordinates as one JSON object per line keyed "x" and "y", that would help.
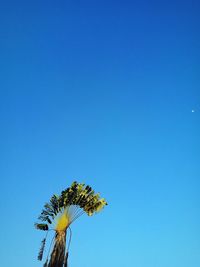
{"x": 60, "y": 213}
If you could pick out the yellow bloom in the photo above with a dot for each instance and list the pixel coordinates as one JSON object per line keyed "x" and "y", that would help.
{"x": 63, "y": 221}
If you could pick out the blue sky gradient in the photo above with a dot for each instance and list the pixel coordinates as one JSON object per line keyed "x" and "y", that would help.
{"x": 102, "y": 92}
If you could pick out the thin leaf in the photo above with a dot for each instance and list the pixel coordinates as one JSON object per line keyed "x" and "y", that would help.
{"x": 40, "y": 255}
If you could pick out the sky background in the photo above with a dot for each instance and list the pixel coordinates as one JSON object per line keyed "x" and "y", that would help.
{"x": 102, "y": 92}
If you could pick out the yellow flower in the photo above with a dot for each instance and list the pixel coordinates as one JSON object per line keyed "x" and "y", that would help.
{"x": 63, "y": 221}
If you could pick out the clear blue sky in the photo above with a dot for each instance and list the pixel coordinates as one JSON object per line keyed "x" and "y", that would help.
{"x": 102, "y": 92}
